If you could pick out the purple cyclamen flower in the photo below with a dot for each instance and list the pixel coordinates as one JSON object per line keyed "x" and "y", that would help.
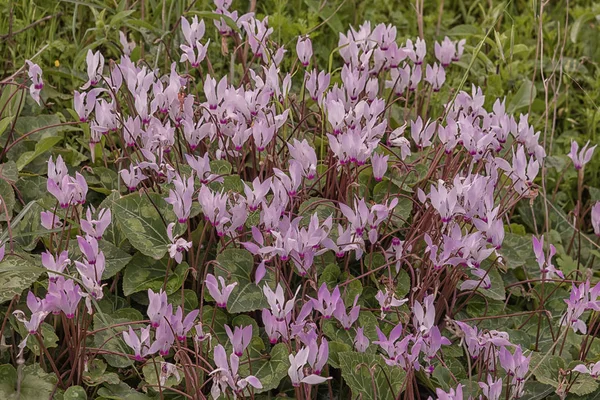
{"x": 96, "y": 227}
{"x": 296, "y": 372}
{"x": 361, "y": 342}
{"x": 580, "y": 158}
{"x": 435, "y": 75}
{"x": 304, "y": 50}
{"x": 192, "y": 32}
{"x": 388, "y": 300}
{"x": 592, "y": 369}
{"x": 132, "y": 177}
{"x": 95, "y": 64}
{"x": 57, "y": 264}
{"x": 220, "y": 295}
{"x": 279, "y": 307}
{"x": 545, "y": 263}
{"x": 163, "y": 337}
{"x": 346, "y": 319}
{"x": 492, "y": 389}
{"x": 139, "y": 344}
{"x": 180, "y": 325}
{"x": 49, "y": 220}
{"x": 157, "y": 307}
{"x": 515, "y": 365}
{"x": 239, "y": 338}
{"x": 326, "y": 302}
{"x": 35, "y": 74}
{"x": 63, "y": 295}
{"x": 318, "y": 355}
{"x": 596, "y": 218}
{"x": 379, "y": 162}
{"x": 424, "y": 315}
{"x": 225, "y": 375}
{"x": 178, "y": 245}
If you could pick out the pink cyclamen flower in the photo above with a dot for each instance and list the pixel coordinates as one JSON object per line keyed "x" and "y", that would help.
{"x": 326, "y": 302}
{"x": 492, "y": 389}
{"x": 580, "y": 158}
{"x": 35, "y": 74}
{"x": 157, "y": 307}
{"x": 296, "y": 372}
{"x": 220, "y": 295}
{"x": 379, "y": 162}
{"x": 596, "y": 218}
{"x": 239, "y": 338}
{"x": 361, "y": 342}
{"x": 180, "y": 325}
{"x": 592, "y": 369}
{"x": 96, "y": 227}
{"x": 57, "y": 264}
{"x": 304, "y": 50}
{"x": 95, "y": 64}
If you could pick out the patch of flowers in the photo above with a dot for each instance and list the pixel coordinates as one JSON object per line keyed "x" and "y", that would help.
{"x": 315, "y": 231}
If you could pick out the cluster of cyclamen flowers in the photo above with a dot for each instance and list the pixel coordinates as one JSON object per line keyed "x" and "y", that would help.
{"x": 233, "y": 122}
{"x": 64, "y": 294}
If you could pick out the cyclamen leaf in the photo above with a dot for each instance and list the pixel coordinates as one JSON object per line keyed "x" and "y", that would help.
{"x": 370, "y": 377}
{"x": 236, "y": 266}
{"x": 139, "y": 217}
{"x": 272, "y": 371}
{"x": 16, "y": 275}
{"x": 32, "y": 383}
{"x": 143, "y": 273}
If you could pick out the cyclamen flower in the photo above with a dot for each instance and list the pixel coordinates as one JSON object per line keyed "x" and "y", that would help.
{"x": 380, "y": 165}
{"x": 95, "y": 64}
{"x": 220, "y": 295}
{"x": 157, "y": 307}
{"x": 239, "y": 338}
{"x": 435, "y": 76}
{"x": 346, "y": 319}
{"x": 180, "y": 325}
{"x": 296, "y": 372}
{"x": 596, "y": 218}
{"x": 181, "y": 197}
{"x": 388, "y": 300}
{"x": 225, "y": 375}
{"x": 492, "y": 389}
{"x": 452, "y": 394}
{"x": 96, "y": 227}
{"x": 304, "y": 50}
{"x": 38, "y": 314}
{"x": 580, "y": 158}
{"x": 139, "y": 344}
{"x": 35, "y": 74}
{"x": 326, "y": 302}
{"x": 49, "y": 220}
{"x": 422, "y": 134}
{"x": 279, "y": 307}
{"x": 178, "y": 245}
{"x": 545, "y": 263}
{"x": 192, "y": 32}
{"x": 361, "y": 342}
{"x": 57, "y": 264}
{"x": 132, "y": 177}
{"x": 63, "y": 295}
{"x": 592, "y": 369}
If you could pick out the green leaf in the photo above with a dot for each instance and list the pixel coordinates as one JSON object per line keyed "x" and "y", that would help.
{"x": 546, "y": 368}
{"x": 40, "y": 148}
{"x": 139, "y": 217}
{"x": 4, "y": 123}
{"x": 270, "y": 372}
{"x": 369, "y": 377}
{"x": 8, "y": 172}
{"x": 96, "y": 374}
{"x": 27, "y": 227}
{"x": 523, "y": 98}
{"x": 122, "y": 391}
{"x": 236, "y": 265}
{"x": 32, "y": 383}
{"x": 16, "y": 275}
{"x": 8, "y": 195}
{"x": 75, "y": 393}
{"x": 116, "y": 259}
{"x": 143, "y": 273}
